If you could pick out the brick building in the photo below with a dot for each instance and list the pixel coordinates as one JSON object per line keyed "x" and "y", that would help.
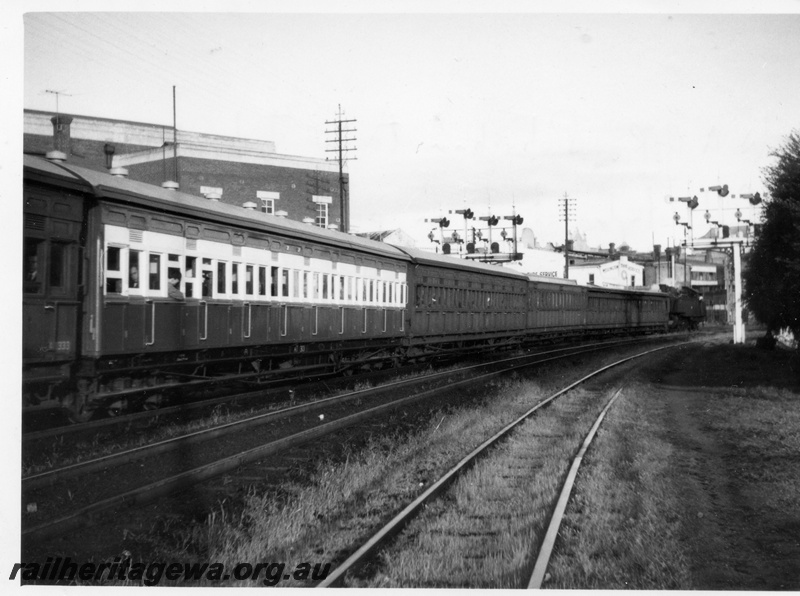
{"x": 228, "y": 169}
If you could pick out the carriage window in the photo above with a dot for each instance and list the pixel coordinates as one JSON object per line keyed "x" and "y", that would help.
{"x": 305, "y": 284}
{"x": 113, "y": 285}
{"x": 262, "y": 281}
{"x": 113, "y": 274}
{"x": 133, "y": 269}
{"x": 274, "y": 280}
{"x": 285, "y": 278}
{"x": 324, "y": 287}
{"x": 191, "y": 274}
{"x": 173, "y": 273}
{"x": 296, "y": 283}
{"x": 208, "y": 283}
{"x": 155, "y": 272}
{"x": 32, "y": 276}
{"x": 341, "y": 288}
{"x": 57, "y": 264}
{"x": 191, "y": 267}
{"x": 235, "y": 279}
{"x": 221, "y": 281}
{"x": 248, "y": 280}
{"x": 113, "y": 258}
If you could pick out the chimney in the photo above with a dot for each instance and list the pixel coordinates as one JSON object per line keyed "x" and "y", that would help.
{"x": 108, "y": 150}
{"x": 56, "y": 156}
{"x": 61, "y": 134}
{"x": 611, "y": 249}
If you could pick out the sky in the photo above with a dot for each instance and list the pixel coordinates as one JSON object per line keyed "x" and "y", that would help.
{"x": 499, "y": 107}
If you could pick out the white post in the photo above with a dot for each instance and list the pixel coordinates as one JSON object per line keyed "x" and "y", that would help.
{"x": 735, "y": 245}
{"x": 738, "y": 326}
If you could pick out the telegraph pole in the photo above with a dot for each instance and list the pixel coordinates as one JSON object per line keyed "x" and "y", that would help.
{"x": 569, "y": 212}
{"x": 341, "y": 149}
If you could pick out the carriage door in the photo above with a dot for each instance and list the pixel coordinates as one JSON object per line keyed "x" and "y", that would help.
{"x": 50, "y": 280}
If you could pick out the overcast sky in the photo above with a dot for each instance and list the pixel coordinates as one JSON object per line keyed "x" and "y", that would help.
{"x": 491, "y": 108}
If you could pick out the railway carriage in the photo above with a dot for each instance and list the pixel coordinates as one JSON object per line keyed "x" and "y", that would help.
{"x": 626, "y": 311}
{"x": 52, "y": 296}
{"x": 457, "y": 304}
{"x": 556, "y": 308}
{"x": 255, "y": 297}
{"x": 259, "y": 294}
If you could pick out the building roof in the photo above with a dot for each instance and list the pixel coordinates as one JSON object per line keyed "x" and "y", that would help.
{"x": 104, "y": 185}
{"x": 377, "y": 236}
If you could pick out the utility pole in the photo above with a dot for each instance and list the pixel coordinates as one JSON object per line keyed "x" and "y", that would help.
{"x": 341, "y": 149}
{"x": 568, "y": 215}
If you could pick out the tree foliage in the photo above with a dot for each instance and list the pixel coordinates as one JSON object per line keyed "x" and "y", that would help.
{"x": 772, "y": 279}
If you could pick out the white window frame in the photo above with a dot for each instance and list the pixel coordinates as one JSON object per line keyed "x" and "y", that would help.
{"x": 322, "y": 202}
{"x": 267, "y": 199}
{"x": 321, "y": 220}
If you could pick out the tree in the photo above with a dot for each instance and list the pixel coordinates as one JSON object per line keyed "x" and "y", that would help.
{"x": 772, "y": 280}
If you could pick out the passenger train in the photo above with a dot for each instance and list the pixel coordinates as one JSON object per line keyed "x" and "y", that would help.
{"x": 133, "y": 293}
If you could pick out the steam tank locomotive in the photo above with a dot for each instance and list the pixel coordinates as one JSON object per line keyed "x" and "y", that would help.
{"x": 134, "y": 294}
{"x": 687, "y": 308}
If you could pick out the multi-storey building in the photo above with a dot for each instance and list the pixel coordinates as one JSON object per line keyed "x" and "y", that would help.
{"x": 232, "y": 170}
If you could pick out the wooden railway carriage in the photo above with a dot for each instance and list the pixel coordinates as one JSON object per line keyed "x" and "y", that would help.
{"x": 556, "y": 308}
{"x": 609, "y": 310}
{"x": 260, "y": 294}
{"x": 455, "y": 304}
{"x": 258, "y": 297}
{"x": 52, "y": 247}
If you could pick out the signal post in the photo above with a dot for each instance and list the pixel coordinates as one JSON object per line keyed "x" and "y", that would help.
{"x": 735, "y": 244}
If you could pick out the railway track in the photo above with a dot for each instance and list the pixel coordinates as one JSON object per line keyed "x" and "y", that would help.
{"x": 265, "y": 393}
{"x": 74, "y": 496}
{"x": 192, "y": 409}
{"x": 368, "y": 552}
{"x": 107, "y": 431}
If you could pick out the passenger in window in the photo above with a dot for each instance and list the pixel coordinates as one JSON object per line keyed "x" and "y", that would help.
{"x": 174, "y": 285}
{"x": 133, "y": 280}
{"x": 32, "y": 268}
{"x": 207, "y": 284}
